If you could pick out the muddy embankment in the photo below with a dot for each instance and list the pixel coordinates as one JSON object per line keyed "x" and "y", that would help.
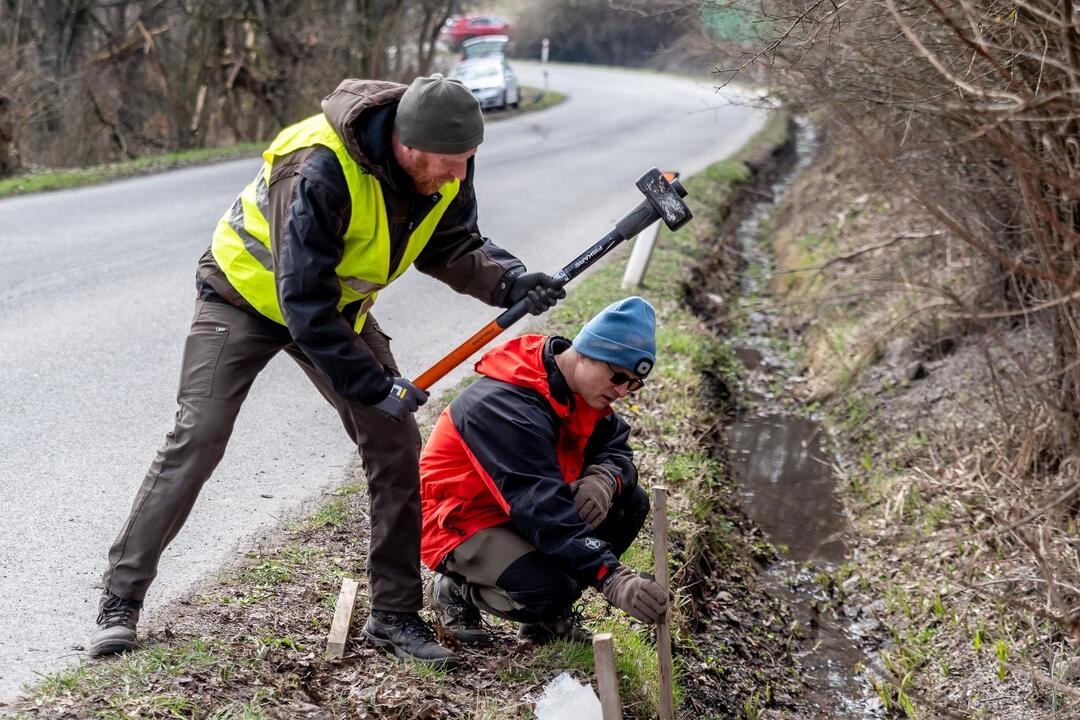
{"x": 930, "y": 579}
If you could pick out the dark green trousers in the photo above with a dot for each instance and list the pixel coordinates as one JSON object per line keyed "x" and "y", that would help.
{"x": 226, "y": 349}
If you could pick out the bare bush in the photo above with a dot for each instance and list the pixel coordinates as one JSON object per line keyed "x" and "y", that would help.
{"x": 971, "y": 107}
{"x": 92, "y": 81}
{"x": 633, "y": 33}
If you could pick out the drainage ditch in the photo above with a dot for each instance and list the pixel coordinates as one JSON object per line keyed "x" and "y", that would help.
{"x": 781, "y": 460}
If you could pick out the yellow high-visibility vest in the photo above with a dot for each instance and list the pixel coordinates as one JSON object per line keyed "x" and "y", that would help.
{"x": 241, "y": 243}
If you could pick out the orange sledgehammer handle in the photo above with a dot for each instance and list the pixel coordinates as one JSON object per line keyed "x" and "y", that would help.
{"x": 436, "y": 372}
{"x": 521, "y": 308}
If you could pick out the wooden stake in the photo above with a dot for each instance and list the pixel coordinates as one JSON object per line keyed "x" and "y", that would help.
{"x": 607, "y": 681}
{"x": 663, "y": 628}
{"x": 343, "y": 611}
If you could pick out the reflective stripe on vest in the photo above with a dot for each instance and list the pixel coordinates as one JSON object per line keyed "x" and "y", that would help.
{"x": 241, "y": 244}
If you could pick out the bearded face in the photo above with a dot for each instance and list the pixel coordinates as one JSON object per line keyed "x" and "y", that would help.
{"x": 430, "y": 171}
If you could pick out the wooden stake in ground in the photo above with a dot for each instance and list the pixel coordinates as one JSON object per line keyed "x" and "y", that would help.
{"x": 339, "y": 628}
{"x": 663, "y": 628}
{"x": 607, "y": 680}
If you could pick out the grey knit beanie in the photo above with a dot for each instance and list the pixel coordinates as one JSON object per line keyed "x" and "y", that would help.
{"x": 439, "y": 115}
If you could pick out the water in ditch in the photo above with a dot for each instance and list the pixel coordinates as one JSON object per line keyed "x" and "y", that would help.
{"x": 784, "y": 469}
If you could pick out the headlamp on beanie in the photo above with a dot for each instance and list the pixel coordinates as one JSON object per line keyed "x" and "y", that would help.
{"x": 623, "y": 334}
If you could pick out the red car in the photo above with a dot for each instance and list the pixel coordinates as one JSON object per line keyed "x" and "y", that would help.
{"x": 470, "y": 26}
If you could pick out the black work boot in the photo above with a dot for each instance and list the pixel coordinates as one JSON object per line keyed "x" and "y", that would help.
{"x": 565, "y": 627}
{"x": 116, "y": 621}
{"x": 455, "y": 613}
{"x": 407, "y": 636}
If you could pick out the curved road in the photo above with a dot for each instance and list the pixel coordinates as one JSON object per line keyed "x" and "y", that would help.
{"x": 96, "y": 294}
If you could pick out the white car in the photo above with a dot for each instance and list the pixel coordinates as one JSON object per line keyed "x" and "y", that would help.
{"x": 484, "y": 46}
{"x": 490, "y": 80}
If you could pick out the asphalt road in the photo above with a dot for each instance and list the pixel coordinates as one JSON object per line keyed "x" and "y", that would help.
{"x": 96, "y": 294}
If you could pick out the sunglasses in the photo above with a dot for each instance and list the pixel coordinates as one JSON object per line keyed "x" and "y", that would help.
{"x": 620, "y": 378}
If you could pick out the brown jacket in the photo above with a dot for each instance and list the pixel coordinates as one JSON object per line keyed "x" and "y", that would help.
{"x": 309, "y": 210}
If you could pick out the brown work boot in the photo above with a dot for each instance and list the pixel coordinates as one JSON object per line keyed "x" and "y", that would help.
{"x": 459, "y": 616}
{"x": 116, "y": 621}
{"x": 407, "y": 636}
{"x": 565, "y": 627}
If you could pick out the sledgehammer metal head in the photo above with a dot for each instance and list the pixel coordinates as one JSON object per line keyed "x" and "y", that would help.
{"x": 663, "y": 200}
{"x": 666, "y": 197}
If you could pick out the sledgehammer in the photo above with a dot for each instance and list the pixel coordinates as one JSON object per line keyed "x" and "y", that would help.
{"x": 663, "y": 201}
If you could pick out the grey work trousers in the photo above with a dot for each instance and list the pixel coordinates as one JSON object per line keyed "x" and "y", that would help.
{"x": 226, "y": 349}
{"x": 502, "y": 574}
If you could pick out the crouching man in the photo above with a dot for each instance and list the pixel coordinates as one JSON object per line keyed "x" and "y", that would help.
{"x": 528, "y": 485}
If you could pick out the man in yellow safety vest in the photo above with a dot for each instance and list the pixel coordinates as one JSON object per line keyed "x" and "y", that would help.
{"x": 343, "y": 204}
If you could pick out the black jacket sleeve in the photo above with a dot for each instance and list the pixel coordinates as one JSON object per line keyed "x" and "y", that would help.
{"x": 609, "y": 446}
{"x": 461, "y": 257}
{"x": 512, "y": 432}
{"x": 308, "y": 213}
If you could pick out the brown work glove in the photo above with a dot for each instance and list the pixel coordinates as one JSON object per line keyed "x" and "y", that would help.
{"x": 593, "y": 492}
{"x": 636, "y": 594}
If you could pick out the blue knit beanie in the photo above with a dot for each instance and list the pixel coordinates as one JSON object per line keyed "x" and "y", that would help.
{"x": 623, "y": 334}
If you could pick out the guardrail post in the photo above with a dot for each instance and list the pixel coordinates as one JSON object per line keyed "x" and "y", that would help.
{"x": 640, "y": 256}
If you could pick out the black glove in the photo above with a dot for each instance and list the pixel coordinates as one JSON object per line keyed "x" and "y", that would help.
{"x": 539, "y": 290}
{"x": 404, "y": 398}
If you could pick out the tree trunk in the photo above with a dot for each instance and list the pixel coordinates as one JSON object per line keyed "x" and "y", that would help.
{"x": 9, "y": 154}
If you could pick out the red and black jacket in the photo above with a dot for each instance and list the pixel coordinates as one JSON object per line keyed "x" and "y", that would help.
{"x": 506, "y": 449}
